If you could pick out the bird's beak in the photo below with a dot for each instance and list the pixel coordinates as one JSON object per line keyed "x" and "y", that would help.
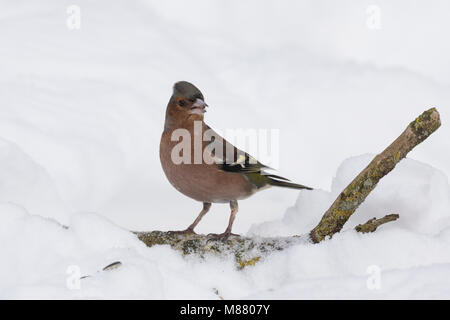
{"x": 199, "y": 106}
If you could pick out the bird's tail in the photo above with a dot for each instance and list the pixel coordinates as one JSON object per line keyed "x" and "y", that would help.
{"x": 276, "y": 181}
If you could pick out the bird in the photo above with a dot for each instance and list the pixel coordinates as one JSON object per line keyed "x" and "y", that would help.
{"x": 215, "y": 172}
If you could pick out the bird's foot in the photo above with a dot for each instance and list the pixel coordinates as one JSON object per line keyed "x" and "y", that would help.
{"x": 181, "y": 232}
{"x": 221, "y": 236}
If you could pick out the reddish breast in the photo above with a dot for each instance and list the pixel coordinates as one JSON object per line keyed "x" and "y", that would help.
{"x": 202, "y": 182}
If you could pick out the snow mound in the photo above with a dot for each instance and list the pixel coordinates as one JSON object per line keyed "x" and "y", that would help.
{"x": 45, "y": 261}
{"x": 24, "y": 182}
{"x": 408, "y": 258}
{"x": 419, "y": 193}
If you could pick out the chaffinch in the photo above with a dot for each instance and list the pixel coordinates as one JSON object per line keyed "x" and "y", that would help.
{"x": 206, "y": 167}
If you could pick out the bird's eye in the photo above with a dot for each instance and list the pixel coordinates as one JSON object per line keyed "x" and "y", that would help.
{"x": 181, "y": 103}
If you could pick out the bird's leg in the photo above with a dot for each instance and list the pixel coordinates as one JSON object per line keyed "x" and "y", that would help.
{"x": 206, "y": 207}
{"x": 190, "y": 229}
{"x": 227, "y": 233}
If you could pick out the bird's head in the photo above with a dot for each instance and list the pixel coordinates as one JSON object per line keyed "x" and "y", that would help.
{"x": 186, "y": 102}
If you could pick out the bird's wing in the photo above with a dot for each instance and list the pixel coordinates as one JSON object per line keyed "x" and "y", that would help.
{"x": 233, "y": 159}
{"x": 230, "y": 158}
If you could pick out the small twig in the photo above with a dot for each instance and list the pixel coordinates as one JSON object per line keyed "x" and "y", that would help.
{"x": 372, "y": 224}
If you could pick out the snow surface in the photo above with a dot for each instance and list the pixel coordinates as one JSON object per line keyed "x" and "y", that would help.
{"x": 81, "y": 112}
{"x": 411, "y": 254}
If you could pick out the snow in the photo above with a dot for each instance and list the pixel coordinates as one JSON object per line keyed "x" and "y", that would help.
{"x": 27, "y": 184}
{"x": 411, "y": 254}
{"x": 81, "y": 113}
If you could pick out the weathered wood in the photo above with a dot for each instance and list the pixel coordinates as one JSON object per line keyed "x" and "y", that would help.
{"x": 372, "y": 224}
{"x": 245, "y": 251}
{"x": 356, "y": 192}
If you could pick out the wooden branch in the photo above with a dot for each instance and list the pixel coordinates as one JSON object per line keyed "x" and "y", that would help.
{"x": 372, "y": 224}
{"x": 356, "y": 192}
{"x": 248, "y": 251}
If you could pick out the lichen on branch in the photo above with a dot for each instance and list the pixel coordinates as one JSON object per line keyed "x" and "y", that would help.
{"x": 372, "y": 224}
{"x": 246, "y": 251}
